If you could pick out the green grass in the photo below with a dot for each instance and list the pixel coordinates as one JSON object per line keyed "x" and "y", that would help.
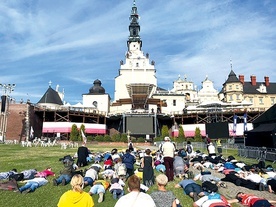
{"x": 22, "y": 158}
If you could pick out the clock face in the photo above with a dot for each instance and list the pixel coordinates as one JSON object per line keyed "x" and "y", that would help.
{"x": 95, "y": 103}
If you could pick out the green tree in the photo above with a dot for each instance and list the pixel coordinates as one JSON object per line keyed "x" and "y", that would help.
{"x": 124, "y": 138}
{"x": 107, "y": 138}
{"x": 198, "y": 137}
{"x": 74, "y": 133}
{"x": 164, "y": 131}
{"x": 181, "y": 134}
{"x": 116, "y": 138}
{"x": 99, "y": 138}
{"x": 82, "y": 127}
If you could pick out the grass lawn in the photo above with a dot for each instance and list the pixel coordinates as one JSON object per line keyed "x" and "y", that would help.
{"x": 22, "y": 158}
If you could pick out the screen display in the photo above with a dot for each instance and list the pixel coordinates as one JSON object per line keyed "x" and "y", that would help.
{"x": 217, "y": 130}
{"x": 140, "y": 124}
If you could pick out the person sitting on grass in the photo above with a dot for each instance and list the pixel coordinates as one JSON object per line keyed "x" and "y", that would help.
{"x": 252, "y": 200}
{"x": 162, "y": 197}
{"x": 65, "y": 174}
{"x": 32, "y": 184}
{"x": 135, "y": 198}
{"x": 76, "y": 196}
{"x": 191, "y": 188}
{"x": 99, "y": 187}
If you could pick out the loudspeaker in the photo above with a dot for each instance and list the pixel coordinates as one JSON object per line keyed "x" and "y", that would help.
{"x": 3, "y": 103}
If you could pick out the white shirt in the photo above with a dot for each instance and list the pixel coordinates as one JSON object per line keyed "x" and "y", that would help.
{"x": 212, "y": 149}
{"x": 206, "y": 202}
{"x": 135, "y": 199}
{"x": 92, "y": 174}
{"x": 168, "y": 149}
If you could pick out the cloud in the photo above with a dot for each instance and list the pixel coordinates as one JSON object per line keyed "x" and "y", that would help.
{"x": 72, "y": 44}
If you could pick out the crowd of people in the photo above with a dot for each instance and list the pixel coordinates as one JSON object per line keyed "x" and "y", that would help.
{"x": 129, "y": 176}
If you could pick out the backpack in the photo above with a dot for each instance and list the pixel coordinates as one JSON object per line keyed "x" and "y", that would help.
{"x": 17, "y": 177}
{"x": 209, "y": 187}
{"x": 189, "y": 149}
{"x": 121, "y": 170}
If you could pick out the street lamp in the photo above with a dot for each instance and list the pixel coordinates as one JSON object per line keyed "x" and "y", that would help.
{"x": 6, "y": 90}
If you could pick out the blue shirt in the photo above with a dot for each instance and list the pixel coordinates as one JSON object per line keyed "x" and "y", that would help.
{"x": 185, "y": 182}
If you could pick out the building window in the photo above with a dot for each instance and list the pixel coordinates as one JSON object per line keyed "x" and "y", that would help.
{"x": 174, "y": 102}
{"x": 272, "y": 100}
{"x": 230, "y": 97}
{"x": 238, "y": 97}
{"x": 230, "y": 87}
{"x": 137, "y": 64}
{"x": 261, "y": 101}
{"x": 251, "y": 100}
{"x": 237, "y": 87}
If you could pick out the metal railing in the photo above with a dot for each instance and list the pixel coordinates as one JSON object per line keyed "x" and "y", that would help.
{"x": 259, "y": 153}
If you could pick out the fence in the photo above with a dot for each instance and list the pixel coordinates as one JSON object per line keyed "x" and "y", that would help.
{"x": 259, "y": 153}
{"x": 200, "y": 145}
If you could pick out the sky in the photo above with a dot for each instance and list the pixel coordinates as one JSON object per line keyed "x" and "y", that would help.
{"x": 71, "y": 43}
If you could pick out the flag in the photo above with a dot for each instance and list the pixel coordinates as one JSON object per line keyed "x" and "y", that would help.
{"x": 84, "y": 139}
{"x": 235, "y": 123}
{"x": 245, "y": 122}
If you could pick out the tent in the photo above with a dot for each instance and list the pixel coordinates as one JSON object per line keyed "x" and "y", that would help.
{"x": 262, "y": 136}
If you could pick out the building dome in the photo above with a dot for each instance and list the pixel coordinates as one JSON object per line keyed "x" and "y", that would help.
{"x": 97, "y": 88}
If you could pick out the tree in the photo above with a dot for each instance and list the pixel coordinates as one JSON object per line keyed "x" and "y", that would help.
{"x": 181, "y": 134}
{"x": 124, "y": 138}
{"x": 165, "y": 131}
{"x": 82, "y": 128}
{"x": 74, "y": 133}
{"x": 198, "y": 137}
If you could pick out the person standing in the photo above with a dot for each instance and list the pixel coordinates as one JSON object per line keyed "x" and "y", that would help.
{"x": 211, "y": 150}
{"x": 129, "y": 160}
{"x": 168, "y": 150}
{"x": 147, "y": 164}
{"x": 130, "y": 146}
{"x": 76, "y": 196}
{"x": 219, "y": 149}
{"x": 83, "y": 153}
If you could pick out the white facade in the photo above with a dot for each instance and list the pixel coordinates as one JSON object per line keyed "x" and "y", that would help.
{"x": 175, "y": 103}
{"x": 208, "y": 93}
{"x": 137, "y": 69}
{"x": 99, "y": 102}
{"x": 185, "y": 87}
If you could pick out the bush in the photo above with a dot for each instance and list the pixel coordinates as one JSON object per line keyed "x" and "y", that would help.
{"x": 107, "y": 138}
{"x": 124, "y": 138}
{"x": 90, "y": 138}
{"x": 140, "y": 140}
{"x": 99, "y": 138}
{"x": 116, "y": 138}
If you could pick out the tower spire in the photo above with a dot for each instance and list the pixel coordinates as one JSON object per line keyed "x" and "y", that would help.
{"x": 134, "y": 27}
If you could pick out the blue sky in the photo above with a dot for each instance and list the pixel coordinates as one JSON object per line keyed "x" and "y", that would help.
{"x": 72, "y": 43}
